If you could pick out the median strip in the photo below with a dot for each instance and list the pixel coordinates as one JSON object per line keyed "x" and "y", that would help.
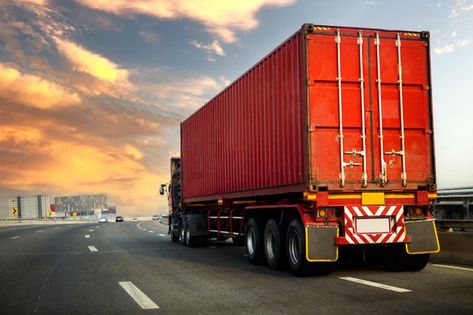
{"x": 93, "y": 249}
{"x": 142, "y": 299}
{"x": 375, "y": 284}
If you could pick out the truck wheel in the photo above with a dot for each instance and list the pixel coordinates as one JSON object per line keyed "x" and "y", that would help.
{"x": 395, "y": 258}
{"x": 174, "y": 233}
{"x": 183, "y": 235}
{"x": 273, "y": 245}
{"x": 239, "y": 240}
{"x": 418, "y": 262}
{"x": 191, "y": 241}
{"x": 203, "y": 240}
{"x": 295, "y": 245}
{"x": 254, "y": 242}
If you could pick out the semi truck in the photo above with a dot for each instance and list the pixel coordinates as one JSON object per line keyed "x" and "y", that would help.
{"x": 324, "y": 147}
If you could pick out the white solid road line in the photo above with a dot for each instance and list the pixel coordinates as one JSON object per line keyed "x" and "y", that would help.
{"x": 452, "y": 267}
{"x": 93, "y": 249}
{"x": 162, "y": 235}
{"x": 375, "y": 284}
{"x": 142, "y": 299}
{"x": 14, "y": 237}
{"x": 87, "y": 236}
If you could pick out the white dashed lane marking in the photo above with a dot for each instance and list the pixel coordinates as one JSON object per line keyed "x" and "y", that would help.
{"x": 93, "y": 249}
{"x": 375, "y": 284}
{"x": 142, "y": 299}
{"x": 39, "y": 231}
{"x": 14, "y": 237}
{"x": 162, "y": 235}
{"x": 87, "y": 236}
{"x": 151, "y": 231}
{"x": 453, "y": 267}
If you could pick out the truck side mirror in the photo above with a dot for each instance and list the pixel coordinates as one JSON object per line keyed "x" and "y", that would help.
{"x": 162, "y": 189}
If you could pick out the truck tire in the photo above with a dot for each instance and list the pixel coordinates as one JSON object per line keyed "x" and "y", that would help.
{"x": 183, "y": 235}
{"x": 418, "y": 262}
{"x": 174, "y": 233}
{"x": 395, "y": 258}
{"x": 191, "y": 241}
{"x": 273, "y": 245}
{"x": 239, "y": 240}
{"x": 254, "y": 241}
{"x": 296, "y": 255}
{"x": 203, "y": 240}
{"x": 295, "y": 247}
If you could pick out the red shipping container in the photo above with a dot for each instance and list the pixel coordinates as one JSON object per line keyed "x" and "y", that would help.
{"x": 332, "y": 109}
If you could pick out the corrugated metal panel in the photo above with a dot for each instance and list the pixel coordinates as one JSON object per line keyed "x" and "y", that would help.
{"x": 249, "y": 137}
{"x": 325, "y": 141}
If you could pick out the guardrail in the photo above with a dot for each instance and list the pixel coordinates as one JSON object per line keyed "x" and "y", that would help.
{"x": 454, "y": 224}
{"x": 60, "y": 219}
{"x": 454, "y": 203}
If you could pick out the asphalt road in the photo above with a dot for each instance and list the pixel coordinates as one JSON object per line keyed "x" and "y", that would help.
{"x": 134, "y": 268}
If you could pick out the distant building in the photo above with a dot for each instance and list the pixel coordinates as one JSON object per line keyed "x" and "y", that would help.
{"x": 81, "y": 205}
{"x": 29, "y": 207}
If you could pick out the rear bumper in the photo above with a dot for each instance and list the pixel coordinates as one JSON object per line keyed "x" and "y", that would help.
{"x": 323, "y": 240}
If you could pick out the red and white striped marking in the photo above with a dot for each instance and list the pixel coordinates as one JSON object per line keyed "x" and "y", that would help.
{"x": 397, "y": 233}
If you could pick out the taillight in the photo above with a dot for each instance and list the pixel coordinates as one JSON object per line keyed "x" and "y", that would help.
{"x": 326, "y": 212}
{"x": 414, "y": 211}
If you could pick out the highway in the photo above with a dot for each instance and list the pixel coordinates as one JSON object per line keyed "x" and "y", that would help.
{"x": 134, "y": 268}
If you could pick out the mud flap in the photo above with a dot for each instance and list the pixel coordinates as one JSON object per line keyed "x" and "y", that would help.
{"x": 320, "y": 243}
{"x": 424, "y": 237}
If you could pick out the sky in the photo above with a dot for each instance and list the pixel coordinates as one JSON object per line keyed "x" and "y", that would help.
{"x": 92, "y": 91}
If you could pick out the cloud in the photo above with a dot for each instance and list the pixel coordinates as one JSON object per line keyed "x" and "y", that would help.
{"x": 149, "y": 37}
{"x": 38, "y": 2}
{"x": 222, "y": 18}
{"x": 33, "y": 90}
{"x": 91, "y": 63}
{"x": 78, "y": 121}
{"x": 65, "y": 167}
{"x": 445, "y": 49}
{"x": 184, "y": 97}
{"x": 213, "y": 47}
{"x": 461, "y": 8}
{"x": 463, "y": 42}
{"x": 133, "y": 152}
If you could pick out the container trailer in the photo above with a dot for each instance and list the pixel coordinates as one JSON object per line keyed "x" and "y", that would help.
{"x": 324, "y": 146}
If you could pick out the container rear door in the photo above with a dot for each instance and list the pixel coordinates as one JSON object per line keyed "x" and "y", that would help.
{"x": 369, "y": 110}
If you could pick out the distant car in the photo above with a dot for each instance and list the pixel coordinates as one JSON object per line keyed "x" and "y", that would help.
{"x": 103, "y": 220}
{"x": 119, "y": 219}
{"x": 156, "y": 217}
